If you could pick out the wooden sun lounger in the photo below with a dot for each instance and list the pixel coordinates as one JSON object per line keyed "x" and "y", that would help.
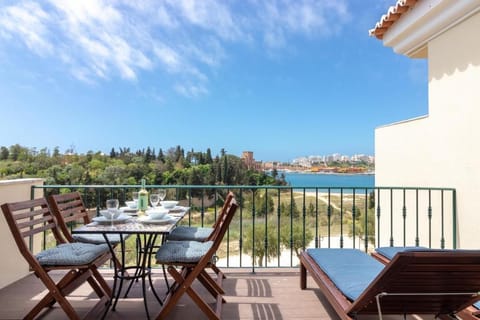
{"x": 414, "y": 282}
{"x": 386, "y": 254}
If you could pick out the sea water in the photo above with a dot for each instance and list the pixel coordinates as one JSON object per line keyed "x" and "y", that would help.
{"x": 296, "y": 179}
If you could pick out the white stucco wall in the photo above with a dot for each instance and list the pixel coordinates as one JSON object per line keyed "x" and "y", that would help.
{"x": 13, "y": 266}
{"x": 441, "y": 150}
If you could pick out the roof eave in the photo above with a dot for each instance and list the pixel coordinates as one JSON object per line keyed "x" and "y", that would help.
{"x": 410, "y": 34}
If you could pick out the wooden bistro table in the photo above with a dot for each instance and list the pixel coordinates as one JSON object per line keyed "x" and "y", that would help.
{"x": 146, "y": 231}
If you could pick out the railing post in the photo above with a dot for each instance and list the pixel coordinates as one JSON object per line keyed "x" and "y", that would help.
{"x": 329, "y": 217}
{"x": 417, "y": 238}
{"x": 202, "y": 211}
{"x": 341, "y": 217}
{"x": 317, "y": 242}
{"x": 265, "y": 239}
{"x": 391, "y": 217}
{"x": 291, "y": 225}
{"x": 253, "y": 230}
{"x": 240, "y": 240}
{"x": 454, "y": 213}
{"x": 366, "y": 220}
{"x": 429, "y": 217}
{"x": 378, "y": 216}
{"x": 304, "y": 220}
{"x": 354, "y": 218}
{"x": 442, "y": 239}
{"x": 404, "y": 215}
{"x": 278, "y": 226}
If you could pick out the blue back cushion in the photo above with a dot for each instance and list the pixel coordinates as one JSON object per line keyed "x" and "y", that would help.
{"x": 351, "y": 270}
{"x": 390, "y": 252}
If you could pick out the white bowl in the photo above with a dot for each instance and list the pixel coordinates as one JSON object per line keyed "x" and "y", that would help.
{"x": 131, "y": 204}
{"x": 107, "y": 214}
{"x": 169, "y": 204}
{"x": 157, "y": 213}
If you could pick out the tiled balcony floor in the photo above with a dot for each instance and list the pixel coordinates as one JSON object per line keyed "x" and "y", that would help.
{"x": 267, "y": 294}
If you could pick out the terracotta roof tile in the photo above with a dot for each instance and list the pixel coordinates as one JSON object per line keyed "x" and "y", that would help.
{"x": 394, "y": 13}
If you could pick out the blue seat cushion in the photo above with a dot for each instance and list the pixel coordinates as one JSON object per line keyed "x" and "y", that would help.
{"x": 182, "y": 251}
{"x": 97, "y": 238}
{"x": 390, "y": 252}
{"x": 190, "y": 233}
{"x": 75, "y": 254}
{"x": 351, "y": 270}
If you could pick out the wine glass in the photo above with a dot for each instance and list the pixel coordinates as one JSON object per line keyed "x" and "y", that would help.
{"x": 154, "y": 199}
{"x": 162, "y": 193}
{"x": 112, "y": 207}
{"x": 135, "y": 196}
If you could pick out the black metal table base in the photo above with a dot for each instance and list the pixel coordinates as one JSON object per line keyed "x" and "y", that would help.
{"x": 141, "y": 271}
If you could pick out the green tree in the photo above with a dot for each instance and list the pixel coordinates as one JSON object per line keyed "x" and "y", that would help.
{"x": 260, "y": 245}
{"x": 290, "y": 208}
{"x": 295, "y": 237}
{"x": 4, "y": 153}
{"x": 264, "y": 204}
{"x": 311, "y": 209}
{"x": 208, "y": 157}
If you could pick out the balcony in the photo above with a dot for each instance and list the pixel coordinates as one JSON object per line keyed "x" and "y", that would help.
{"x": 268, "y": 294}
{"x": 267, "y": 286}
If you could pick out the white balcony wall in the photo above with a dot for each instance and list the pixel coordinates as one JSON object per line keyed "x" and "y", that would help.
{"x": 13, "y": 266}
{"x": 441, "y": 149}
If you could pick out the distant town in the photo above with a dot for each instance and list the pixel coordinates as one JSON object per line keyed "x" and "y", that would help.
{"x": 334, "y": 163}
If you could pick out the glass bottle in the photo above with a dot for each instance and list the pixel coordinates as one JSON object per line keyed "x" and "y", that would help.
{"x": 142, "y": 199}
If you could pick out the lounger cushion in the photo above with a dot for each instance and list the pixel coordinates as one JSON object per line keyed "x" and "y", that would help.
{"x": 190, "y": 233}
{"x": 182, "y": 251}
{"x": 390, "y": 252}
{"x": 351, "y": 270}
{"x": 73, "y": 254}
{"x": 97, "y": 238}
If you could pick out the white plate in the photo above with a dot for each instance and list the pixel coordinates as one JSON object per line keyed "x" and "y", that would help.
{"x": 177, "y": 209}
{"x": 146, "y": 219}
{"x": 121, "y": 218}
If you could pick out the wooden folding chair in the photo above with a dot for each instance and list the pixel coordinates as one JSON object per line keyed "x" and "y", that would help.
{"x": 202, "y": 234}
{"x": 182, "y": 233}
{"x": 194, "y": 257}
{"x": 32, "y": 219}
{"x": 70, "y": 208}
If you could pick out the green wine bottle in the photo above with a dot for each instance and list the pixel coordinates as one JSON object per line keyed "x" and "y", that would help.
{"x": 142, "y": 199}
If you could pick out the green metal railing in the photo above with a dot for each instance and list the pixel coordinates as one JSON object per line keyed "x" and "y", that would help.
{"x": 274, "y": 223}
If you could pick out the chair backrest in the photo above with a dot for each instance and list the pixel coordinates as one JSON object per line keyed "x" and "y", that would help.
{"x": 33, "y": 219}
{"x": 221, "y": 216}
{"x": 222, "y": 227}
{"x": 27, "y": 219}
{"x": 66, "y": 208}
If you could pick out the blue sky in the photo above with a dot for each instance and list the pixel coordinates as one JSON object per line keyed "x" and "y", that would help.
{"x": 281, "y": 78}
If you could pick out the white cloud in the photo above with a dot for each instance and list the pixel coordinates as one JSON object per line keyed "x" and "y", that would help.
{"x": 27, "y": 22}
{"x": 99, "y": 40}
{"x": 190, "y": 90}
{"x": 312, "y": 18}
{"x": 168, "y": 56}
{"x": 211, "y": 15}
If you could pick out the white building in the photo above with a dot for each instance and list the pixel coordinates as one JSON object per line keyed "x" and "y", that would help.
{"x": 447, "y": 33}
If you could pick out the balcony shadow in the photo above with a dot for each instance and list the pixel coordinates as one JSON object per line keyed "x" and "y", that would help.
{"x": 257, "y": 311}
{"x": 248, "y": 287}
{"x": 266, "y": 311}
